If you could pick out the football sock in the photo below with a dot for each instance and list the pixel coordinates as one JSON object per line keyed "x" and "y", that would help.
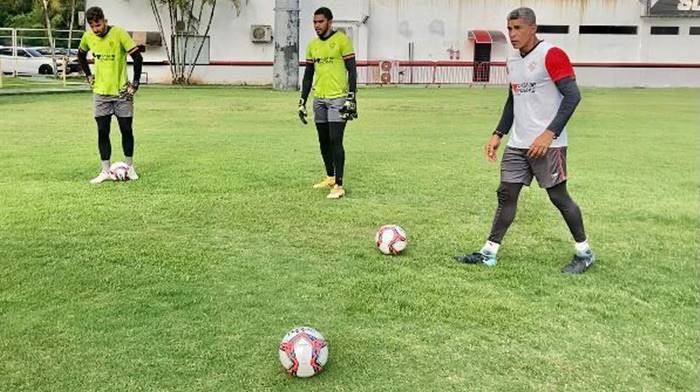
{"x": 490, "y": 247}
{"x": 505, "y": 213}
{"x": 337, "y": 130}
{"x": 569, "y": 210}
{"x": 582, "y": 248}
{"x": 129, "y": 161}
{"x": 105, "y": 165}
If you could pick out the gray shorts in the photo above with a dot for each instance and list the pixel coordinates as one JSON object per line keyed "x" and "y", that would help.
{"x": 550, "y": 170}
{"x": 328, "y": 110}
{"x": 107, "y": 105}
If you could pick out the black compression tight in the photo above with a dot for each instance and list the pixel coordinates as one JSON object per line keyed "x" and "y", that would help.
{"x": 330, "y": 139}
{"x": 103, "y": 143}
{"x": 507, "y": 204}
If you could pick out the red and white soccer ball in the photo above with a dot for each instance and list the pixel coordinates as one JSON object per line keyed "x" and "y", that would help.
{"x": 391, "y": 239}
{"x": 303, "y": 352}
{"x": 120, "y": 171}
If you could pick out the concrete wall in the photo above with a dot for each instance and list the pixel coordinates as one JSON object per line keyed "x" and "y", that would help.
{"x": 437, "y": 28}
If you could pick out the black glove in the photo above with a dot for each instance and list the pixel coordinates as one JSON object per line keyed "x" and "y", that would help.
{"x": 349, "y": 110}
{"x": 302, "y": 111}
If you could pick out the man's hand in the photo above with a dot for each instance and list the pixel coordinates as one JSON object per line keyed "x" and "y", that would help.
{"x": 132, "y": 88}
{"x": 539, "y": 147}
{"x": 492, "y": 147}
{"x": 349, "y": 110}
{"x": 127, "y": 92}
{"x": 90, "y": 79}
{"x": 302, "y": 111}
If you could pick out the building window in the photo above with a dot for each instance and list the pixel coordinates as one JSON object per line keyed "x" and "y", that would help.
{"x": 553, "y": 29}
{"x": 664, "y": 30}
{"x": 695, "y": 30}
{"x": 605, "y": 29}
{"x": 187, "y": 47}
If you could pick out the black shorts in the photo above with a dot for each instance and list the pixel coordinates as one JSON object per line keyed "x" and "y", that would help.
{"x": 518, "y": 168}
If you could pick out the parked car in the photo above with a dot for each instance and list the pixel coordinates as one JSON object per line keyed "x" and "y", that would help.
{"x": 27, "y": 62}
{"x": 73, "y": 64}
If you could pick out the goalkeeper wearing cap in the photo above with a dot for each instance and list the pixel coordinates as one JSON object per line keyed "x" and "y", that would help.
{"x": 330, "y": 58}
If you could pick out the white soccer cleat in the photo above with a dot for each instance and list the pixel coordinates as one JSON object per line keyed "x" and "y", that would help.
{"x": 102, "y": 177}
{"x": 131, "y": 174}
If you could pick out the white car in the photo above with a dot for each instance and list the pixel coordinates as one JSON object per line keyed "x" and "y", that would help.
{"x": 27, "y": 62}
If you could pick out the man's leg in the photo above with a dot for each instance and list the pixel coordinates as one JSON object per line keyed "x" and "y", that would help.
{"x": 583, "y": 255}
{"x": 508, "y": 194}
{"x": 103, "y": 144}
{"x": 125, "y": 126}
{"x": 324, "y": 142}
{"x": 515, "y": 173}
{"x": 337, "y": 131}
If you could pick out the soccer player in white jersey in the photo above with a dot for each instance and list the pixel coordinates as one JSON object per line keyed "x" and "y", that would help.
{"x": 542, "y": 97}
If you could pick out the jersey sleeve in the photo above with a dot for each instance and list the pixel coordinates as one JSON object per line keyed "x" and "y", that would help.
{"x": 309, "y": 55}
{"x": 126, "y": 41}
{"x": 346, "y": 49}
{"x": 84, "y": 46}
{"x": 558, "y": 65}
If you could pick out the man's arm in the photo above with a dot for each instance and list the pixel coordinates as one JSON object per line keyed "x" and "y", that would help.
{"x": 308, "y": 80}
{"x": 135, "y": 54}
{"x": 572, "y": 96}
{"x": 351, "y": 66}
{"x": 507, "y": 116}
{"x": 82, "y": 59}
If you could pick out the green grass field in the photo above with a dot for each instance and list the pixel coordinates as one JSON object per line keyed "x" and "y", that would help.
{"x": 187, "y": 279}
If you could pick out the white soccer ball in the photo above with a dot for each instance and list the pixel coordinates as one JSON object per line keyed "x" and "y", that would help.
{"x": 120, "y": 171}
{"x": 391, "y": 239}
{"x": 303, "y": 352}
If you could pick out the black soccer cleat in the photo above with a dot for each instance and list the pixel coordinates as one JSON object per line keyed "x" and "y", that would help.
{"x": 578, "y": 264}
{"x": 477, "y": 258}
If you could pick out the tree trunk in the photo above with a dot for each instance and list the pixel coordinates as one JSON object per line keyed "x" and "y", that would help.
{"x": 70, "y": 27}
{"x": 201, "y": 44}
{"x": 50, "y": 34}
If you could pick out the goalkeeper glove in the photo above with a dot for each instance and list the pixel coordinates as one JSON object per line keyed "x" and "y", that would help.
{"x": 349, "y": 110}
{"x": 302, "y": 111}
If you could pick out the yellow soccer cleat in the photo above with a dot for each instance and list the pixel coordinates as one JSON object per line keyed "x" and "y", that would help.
{"x": 336, "y": 193}
{"x": 327, "y": 182}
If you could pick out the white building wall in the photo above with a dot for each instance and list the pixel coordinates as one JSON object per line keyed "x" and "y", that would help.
{"x": 436, "y": 28}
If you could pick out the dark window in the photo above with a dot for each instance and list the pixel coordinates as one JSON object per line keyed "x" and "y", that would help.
{"x": 553, "y": 29}
{"x": 664, "y": 30}
{"x": 603, "y": 29}
{"x": 153, "y": 39}
{"x": 695, "y": 30}
{"x": 6, "y": 52}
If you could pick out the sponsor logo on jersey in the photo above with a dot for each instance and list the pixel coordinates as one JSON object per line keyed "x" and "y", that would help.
{"x": 523, "y": 88}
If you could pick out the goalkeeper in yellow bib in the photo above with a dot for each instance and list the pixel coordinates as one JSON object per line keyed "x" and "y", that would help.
{"x": 331, "y": 59}
{"x": 113, "y": 93}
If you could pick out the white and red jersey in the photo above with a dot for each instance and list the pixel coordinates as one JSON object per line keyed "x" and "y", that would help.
{"x": 536, "y": 98}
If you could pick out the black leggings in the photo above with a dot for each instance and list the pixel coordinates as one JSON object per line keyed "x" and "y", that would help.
{"x": 507, "y": 204}
{"x": 330, "y": 138}
{"x": 103, "y": 127}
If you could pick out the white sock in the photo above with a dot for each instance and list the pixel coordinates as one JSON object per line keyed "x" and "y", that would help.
{"x": 105, "y": 165}
{"x": 129, "y": 161}
{"x": 490, "y": 248}
{"x": 582, "y": 248}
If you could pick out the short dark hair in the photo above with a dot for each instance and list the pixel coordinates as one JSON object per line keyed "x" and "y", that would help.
{"x": 94, "y": 14}
{"x": 325, "y": 11}
{"x": 524, "y": 13}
